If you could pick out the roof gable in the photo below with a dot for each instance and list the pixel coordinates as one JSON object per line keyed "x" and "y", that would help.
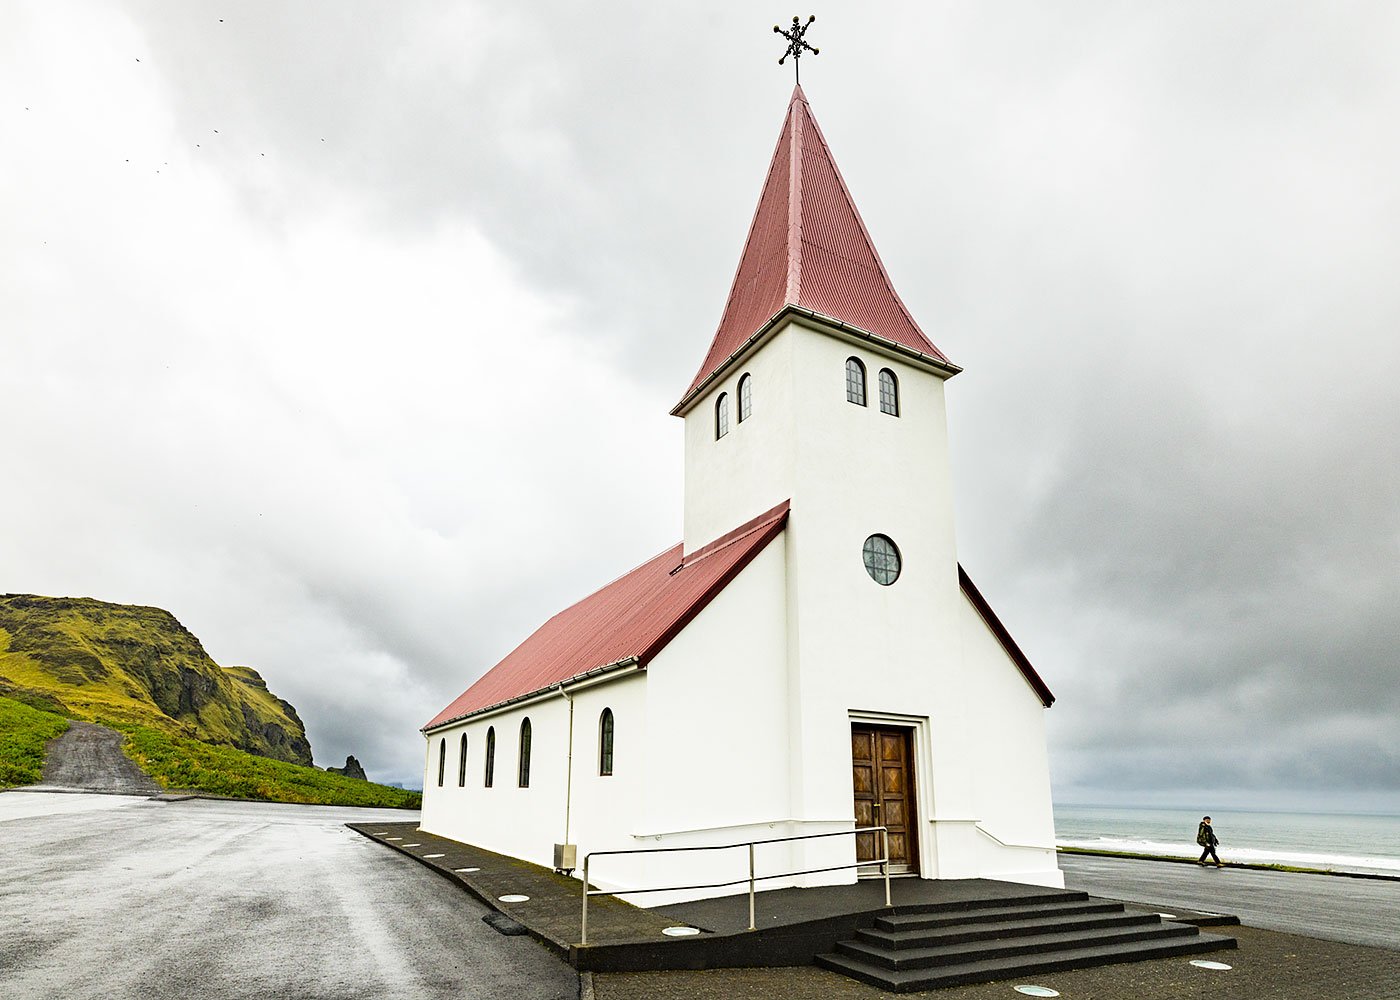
{"x": 632, "y": 618}
{"x": 807, "y": 247}
{"x": 1019, "y": 658}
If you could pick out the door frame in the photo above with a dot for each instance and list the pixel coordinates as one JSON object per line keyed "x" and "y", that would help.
{"x": 921, "y": 774}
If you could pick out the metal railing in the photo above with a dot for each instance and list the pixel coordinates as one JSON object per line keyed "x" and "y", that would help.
{"x": 883, "y": 861}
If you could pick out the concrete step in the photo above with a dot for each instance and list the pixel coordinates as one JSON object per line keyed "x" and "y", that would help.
{"x": 1036, "y": 944}
{"x": 908, "y": 921}
{"x": 1045, "y": 923}
{"x": 988, "y": 969}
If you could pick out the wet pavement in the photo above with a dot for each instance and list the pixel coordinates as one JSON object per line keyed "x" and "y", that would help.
{"x": 1356, "y": 911}
{"x": 121, "y": 897}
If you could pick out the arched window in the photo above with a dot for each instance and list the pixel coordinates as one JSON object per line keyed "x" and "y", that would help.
{"x": 722, "y": 415}
{"x": 605, "y": 742}
{"x": 525, "y": 754}
{"x": 442, "y": 759}
{"x": 462, "y": 764}
{"x": 745, "y": 397}
{"x": 889, "y": 392}
{"x": 490, "y": 757}
{"x": 855, "y": 381}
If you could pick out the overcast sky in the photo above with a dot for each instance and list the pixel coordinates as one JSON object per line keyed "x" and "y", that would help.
{"x": 347, "y": 333}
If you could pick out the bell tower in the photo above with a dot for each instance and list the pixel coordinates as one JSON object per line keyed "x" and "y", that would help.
{"x": 820, "y": 388}
{"x": 809, "y": 295}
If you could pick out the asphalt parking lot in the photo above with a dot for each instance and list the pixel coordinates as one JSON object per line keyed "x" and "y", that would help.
{"x": 117, "y": 897}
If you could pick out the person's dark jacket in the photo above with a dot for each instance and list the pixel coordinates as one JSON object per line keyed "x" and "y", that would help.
{"x": 1205, "y": 835}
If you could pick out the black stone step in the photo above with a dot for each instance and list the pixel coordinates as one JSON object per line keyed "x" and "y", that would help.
{"x": 1043, "y": 897}
{"x": 908, "y": 921}
{"x": 986, "y": 970}
{"x": 1044, "y": 924}
{"x": 1036, "y": 944}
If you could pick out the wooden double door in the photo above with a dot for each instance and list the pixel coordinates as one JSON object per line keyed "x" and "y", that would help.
{"x": 882, "y": 772}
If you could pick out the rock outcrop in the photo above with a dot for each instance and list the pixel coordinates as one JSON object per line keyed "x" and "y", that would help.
{"x": 352, "y": 769}
{"x": 126, "y": 663}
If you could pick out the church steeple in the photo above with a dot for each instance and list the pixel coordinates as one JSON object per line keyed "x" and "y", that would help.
{"x": 808, "y": 248}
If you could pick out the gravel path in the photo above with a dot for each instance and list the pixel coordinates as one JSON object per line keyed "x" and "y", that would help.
{"x": 89, "y": 757}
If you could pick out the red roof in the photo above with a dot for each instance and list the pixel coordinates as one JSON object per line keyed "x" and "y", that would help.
{"x": 634, "y": 617}
{"x": 807, "y": 247}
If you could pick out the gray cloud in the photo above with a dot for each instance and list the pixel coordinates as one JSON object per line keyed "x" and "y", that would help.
{"x": 1161, "y": 241}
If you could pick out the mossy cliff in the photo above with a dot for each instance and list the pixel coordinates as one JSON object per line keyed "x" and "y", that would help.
{"x": 123, "y": 663}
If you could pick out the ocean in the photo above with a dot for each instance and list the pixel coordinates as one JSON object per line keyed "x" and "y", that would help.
{"x": 1311, "y": 840}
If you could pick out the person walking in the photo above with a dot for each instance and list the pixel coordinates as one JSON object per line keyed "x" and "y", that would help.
{"x": 1205, "y": 836}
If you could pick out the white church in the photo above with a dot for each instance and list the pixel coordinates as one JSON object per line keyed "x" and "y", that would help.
{"x": 811, "y": 658}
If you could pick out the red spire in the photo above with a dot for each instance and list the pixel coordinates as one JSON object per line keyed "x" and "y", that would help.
{"x": 807, "y": 247}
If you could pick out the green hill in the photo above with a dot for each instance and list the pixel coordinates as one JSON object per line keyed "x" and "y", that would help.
{"x": 120, "y": 663}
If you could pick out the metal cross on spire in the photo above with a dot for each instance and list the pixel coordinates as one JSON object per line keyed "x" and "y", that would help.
{"x": 796, "y": 43}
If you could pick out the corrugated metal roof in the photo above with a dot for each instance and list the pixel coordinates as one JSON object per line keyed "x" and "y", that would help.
{"x": 634, "y": 617}
{"x": 808, "y": 247}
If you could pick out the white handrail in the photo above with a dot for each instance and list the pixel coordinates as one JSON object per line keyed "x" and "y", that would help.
{"x": 883, "y": 861}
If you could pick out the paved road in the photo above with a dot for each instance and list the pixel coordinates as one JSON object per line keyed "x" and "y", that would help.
{"x": 118, "y": 897}
{"x": 89, "y": 756}
{"x": 1356, "y": 911}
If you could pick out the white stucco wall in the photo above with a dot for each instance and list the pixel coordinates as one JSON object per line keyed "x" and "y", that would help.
{"x": 750, "y": 469}
{"x": 699, "y": 758}
{"x": 527, "y": 822}
{"x": 717, "y": 706}
{"x": 857, "y": 650}
{"x": 1013, "y": 836}
{"x": 740, "y": 729}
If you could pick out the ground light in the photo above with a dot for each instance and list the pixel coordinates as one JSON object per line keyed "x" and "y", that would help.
{"x": 434, "y": 855}
{"x": 1036, "y": 991}
{"x": 468, "y": 870}
{"x": 1202, "y": 963}
{"x": 680, "y": 931}
{"x": 514, "y": 897}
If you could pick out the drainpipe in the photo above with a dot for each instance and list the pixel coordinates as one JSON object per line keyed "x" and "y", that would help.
{"x": 569, "y": 775}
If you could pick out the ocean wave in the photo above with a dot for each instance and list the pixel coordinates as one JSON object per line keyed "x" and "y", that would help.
{"x": 1301, "y": 859}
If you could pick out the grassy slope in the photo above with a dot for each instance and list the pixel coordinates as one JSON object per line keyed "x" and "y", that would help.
{"x": 180, "y": 763}
{"x": 23, "y": 733}
{"x": 139, "y": 665}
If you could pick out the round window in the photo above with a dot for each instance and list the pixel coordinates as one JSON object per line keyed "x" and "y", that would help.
{"x": 881, "y": 560}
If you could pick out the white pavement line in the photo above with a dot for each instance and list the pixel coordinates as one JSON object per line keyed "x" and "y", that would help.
{"x": 412, "y": 845}
{"x": 466, "y": 869}
{"x": 434, "y": 855}
{"x": 393, "y": 838}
